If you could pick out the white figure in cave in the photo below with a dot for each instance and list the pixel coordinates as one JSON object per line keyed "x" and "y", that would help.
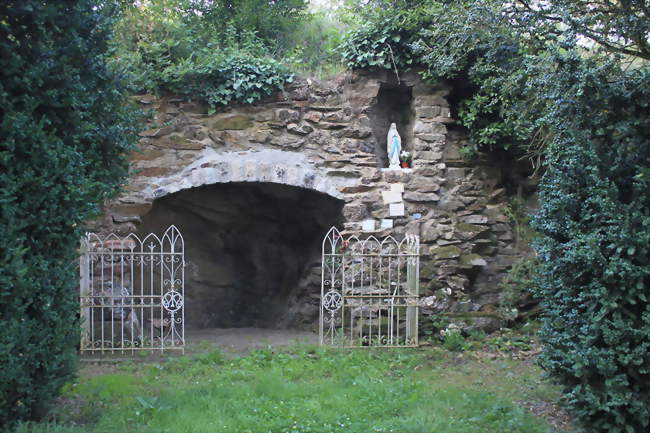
{"x": 393, "y": 146}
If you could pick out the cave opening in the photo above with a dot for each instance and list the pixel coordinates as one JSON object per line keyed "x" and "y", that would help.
{"x": 394, "y": 104}
{"x": 252, "y": 252}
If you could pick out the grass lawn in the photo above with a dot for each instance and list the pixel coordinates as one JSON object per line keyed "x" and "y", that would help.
{"x": 305, "y": 389}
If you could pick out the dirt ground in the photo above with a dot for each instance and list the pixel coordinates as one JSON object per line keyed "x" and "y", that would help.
{"x": 242, "y": 340}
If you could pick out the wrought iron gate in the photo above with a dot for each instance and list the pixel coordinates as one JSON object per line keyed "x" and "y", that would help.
{"x": 132, "y": 292}
{"x": 369, "y": 291}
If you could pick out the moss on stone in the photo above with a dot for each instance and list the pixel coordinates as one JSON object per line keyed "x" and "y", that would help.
{"x": 232, "y": 121}
{"x": 447, "y": 252}
{"x": 470, "y": 228}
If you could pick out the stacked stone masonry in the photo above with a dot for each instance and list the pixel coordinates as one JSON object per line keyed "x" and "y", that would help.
{"x": 326, "y": 137}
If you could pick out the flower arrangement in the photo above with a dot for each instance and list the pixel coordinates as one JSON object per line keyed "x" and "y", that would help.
{"x": 405, "y": 158}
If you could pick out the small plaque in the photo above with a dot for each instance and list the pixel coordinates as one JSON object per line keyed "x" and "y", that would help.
{"x": 396, "y": 209}
{"x": 397, "y": 187}
{"x": 391, "y": 197}
{"x": 387, "y": 223}
{"x": 368, "y": 225}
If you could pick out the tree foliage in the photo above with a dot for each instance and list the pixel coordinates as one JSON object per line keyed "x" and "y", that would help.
{"x": 64, "y": 131}
{"x": 616, "y": 26}
{"x": 241, "y": 50}
{"x": 162, "y": 46}
{"x": 272, "y": 21}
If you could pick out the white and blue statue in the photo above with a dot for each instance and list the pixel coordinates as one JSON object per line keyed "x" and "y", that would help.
{"x": 393, "y": 147}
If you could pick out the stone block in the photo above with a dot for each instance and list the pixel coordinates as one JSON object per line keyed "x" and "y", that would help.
{"x": 427, "y": 112}
{"x": 260, "y": 136}
{"x": 452, "y": 153}
{"x": 157, "y": 132}
{"x": 426, "y": 171}
{"x": 177, "y": 141}
{"x": 355, "y": 212}
{"x": 392, "y": 176}
{"x": 299, "y": 129}
{"x": 122, "y": 219}
{"x": 324, "y": 108}
{"x": 447, "y": 252}
{"x": 507, "y": 236}
{"x": 423, "y": 184}
{"x": 419, "y": 197}
{"x": 332, "y": 126}
{"x": 430, "y": 232}
{"x": 452, "y": 205}
{"x": 471, "y": 260}
{"x": 356, "y": 131}
{"x": 421, "y": 145}
{"x": 430, "y": 100}
{"x": 263, "y": 116}
{"x": 432, "y": 138}
{"x": 285, "y": 115}
{"x": 147, "y": 154}
{"x": 429, "y": 156}
{"x": 470, "y": 231}
{"x": 336, "y": 117}
{"x": 231, "y": 121}
{"x": 290, "y": 142}
{"x": 443, "y": 242}
{"x": 356, "y": 189}
{"x": 313, "y": 116}
{"x": 422, "y": 128}
{"x": 470, "y": 228}
{"x": 498, "y": 195}
{"x": 456, "y": 173}
{"x": 475, "y": 219}
{"x": 154, "y": 171}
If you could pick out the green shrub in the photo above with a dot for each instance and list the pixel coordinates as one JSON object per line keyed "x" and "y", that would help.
{"x": 64, "y": 132}
{"x": 234, "y": 77}
{"x": 595, "y": 250}
{"x": 454, "y": 340}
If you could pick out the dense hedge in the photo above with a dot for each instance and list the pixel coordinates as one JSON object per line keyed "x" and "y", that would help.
{"x": 595, "y": 218}
{"x": 64, "y": 133}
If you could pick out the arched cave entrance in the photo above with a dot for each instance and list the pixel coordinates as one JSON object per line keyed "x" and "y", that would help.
{"x": 251, "y": 251}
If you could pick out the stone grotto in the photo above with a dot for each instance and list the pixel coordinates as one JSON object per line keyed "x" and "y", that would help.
{"x": 254, "y": 188}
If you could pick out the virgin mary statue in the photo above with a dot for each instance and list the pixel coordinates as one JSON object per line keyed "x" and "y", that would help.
{"x": 393, "y": 146}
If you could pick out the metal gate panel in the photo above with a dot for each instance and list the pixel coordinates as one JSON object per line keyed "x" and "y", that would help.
{"x": 369, "y": 291}
{"x": 132, "y": 292}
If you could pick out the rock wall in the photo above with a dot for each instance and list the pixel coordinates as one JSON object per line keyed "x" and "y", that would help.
{"x": 329, "y": 138}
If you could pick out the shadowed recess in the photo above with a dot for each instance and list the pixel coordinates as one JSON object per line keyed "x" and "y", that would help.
{"x": 250, "y": 251}
{"x": 394, "y": 105}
